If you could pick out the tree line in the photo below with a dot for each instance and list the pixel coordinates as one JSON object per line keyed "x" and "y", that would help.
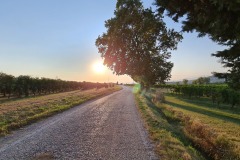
{"x": 25, "y": 85}
{"x": 218, "y": 93}
{"x": 200, "y": 80}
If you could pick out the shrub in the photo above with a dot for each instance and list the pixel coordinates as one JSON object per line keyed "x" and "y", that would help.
{"x": 158, "y": 96}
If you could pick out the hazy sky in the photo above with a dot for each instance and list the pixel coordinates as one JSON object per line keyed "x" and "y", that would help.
{"x": 56, "y": 39}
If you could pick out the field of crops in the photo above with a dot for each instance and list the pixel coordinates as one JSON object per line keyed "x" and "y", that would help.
{"x": 24, "y": 86}
{"x": 217, "y": 93}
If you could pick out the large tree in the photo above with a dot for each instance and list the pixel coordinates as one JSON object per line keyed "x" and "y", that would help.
{"x": 219, "y": 19}
{"x": 137, "y": 43}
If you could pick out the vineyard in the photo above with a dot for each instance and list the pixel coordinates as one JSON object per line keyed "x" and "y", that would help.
{"x": 20, "y": 86}
{"x": 218, "y": 93}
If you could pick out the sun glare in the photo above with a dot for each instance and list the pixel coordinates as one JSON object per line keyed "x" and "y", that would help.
{"x": 98, "y": 67}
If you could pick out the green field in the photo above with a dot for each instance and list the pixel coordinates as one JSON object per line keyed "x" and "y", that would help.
{"x": 194, "y": 128}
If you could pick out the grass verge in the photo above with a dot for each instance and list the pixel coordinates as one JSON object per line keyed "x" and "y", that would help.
{"x": 188, "y": 129}
{"x": 170, "y": 142}
{"x": 18, "y": 113}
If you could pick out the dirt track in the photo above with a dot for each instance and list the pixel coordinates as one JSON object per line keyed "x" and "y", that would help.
{"x": 107, "y": 128}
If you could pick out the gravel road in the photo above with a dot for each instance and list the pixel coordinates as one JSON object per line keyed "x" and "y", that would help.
{"x": 106, "y": 128}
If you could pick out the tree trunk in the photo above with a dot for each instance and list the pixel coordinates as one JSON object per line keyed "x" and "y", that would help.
{"x": 142, "y": 86}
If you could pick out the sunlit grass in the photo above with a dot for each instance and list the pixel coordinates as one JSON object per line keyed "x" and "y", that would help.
{"x": 222, "y": 122}
{"x": 190, "y": 128}
{"x": 169, "y": 141}
{"x": 17, "y": 113}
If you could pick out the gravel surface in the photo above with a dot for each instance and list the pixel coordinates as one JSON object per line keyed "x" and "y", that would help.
{"x": 107, "y": 128}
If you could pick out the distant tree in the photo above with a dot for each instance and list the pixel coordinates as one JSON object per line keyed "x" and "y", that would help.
{"x": 219, "y": 19}
{"x": 2, "y": 83}
{"x": 36, "y": 85}
{"x": 202, "y": 80}
{"x": 206, "y": 80}
{"x": 137, "y": 43}
{"x": 194, "y": 82}
{"x": 22, "y": 85}
{"x": 185, "y": 81}
{"x": 6, "y": 84}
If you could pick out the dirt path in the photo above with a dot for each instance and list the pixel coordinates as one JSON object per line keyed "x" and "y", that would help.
{"x": 107, "y": 128}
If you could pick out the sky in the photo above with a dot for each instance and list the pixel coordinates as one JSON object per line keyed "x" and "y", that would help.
{"x": 56, "y": 39}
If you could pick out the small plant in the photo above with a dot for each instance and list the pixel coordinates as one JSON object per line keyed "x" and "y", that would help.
{"x": 225, "y": 149}
{"x": 158, "y": 96}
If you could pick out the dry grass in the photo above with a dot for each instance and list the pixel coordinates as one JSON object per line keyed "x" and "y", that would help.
{"x": 191, "y": 129}
{"x": 166, "y": 136}
{"x": 16, "y": 113}
{"x": 205, "y": 138}
{"x": 218, "y": 127}
{"x": 158, "y": 97}
{"x": 213, "y": 131}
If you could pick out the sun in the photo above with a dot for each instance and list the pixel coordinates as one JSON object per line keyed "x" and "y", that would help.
{"x": 98, "y": 67}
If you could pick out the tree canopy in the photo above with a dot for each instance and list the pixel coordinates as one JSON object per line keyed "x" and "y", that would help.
{"x": 219, "y": 19}
{"x": 185, "y": 81}
{"x": 137, "y": 43}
